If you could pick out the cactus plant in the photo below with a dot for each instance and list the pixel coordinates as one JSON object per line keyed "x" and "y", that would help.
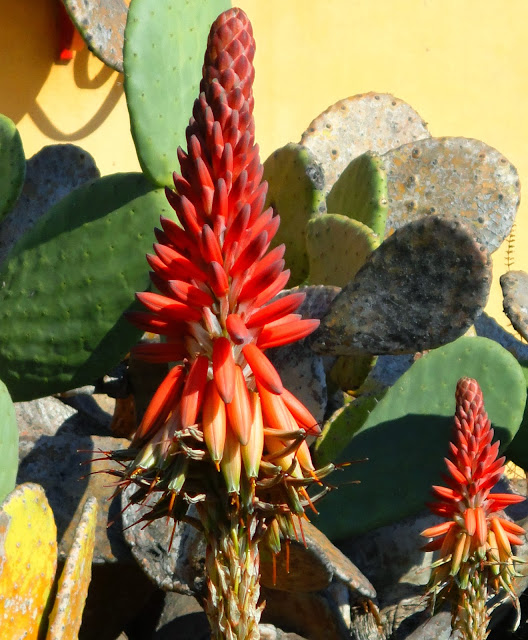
{"x": 514, "y": 286}
{"x": 295, "y": 192}
{"x": 396, "y": 478}
{"x": 163, "y": 61}
{"x": 8, "y": 443}
{"x": 12, "y": 165}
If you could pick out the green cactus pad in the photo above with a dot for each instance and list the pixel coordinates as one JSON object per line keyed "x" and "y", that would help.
{"x": 28, "y": 540}
{"x": 296, "y": 193}
{"x": 337, "y": 248}
{"x": 406, "y": 435}
{"x": 361, "y": 192}
{"x": 517, "y": 451}
{"x": 66, "y": 616}
{"x": 8, "y": 443}
{"x": 12, "y": 165}
{"x": 350, "y": 372}
{"x": 68, "y": 281}
{"x": 102, "y": 26}
{"x": 421, "y": 288}
{"x": 366, "y": 122}
{"x": 163, "y": 58}
{"x": 514, "y": 286}
{"x": 456, "y": 178}
{"x": 342, "y": 426}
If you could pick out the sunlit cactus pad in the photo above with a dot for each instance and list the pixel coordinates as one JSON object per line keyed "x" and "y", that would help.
{"x": 515, "y": 291}
{"x": 459, "y": 178}
{"x": 295, "y": 192}
{"x": 366, "y": 122}
{"x": 68, "y": 282}
{"x": 12, "y": 164}
{"x": 337, "y": 247}
{"x": 361, "y": 192}
{"x": 28, "y": 539}
{"x": 102, "y": 26}
{"x": 405, "y": 437}
{"x": 421, "y": 288}
{"x": 66, "y": 616}
{"x": 163, "y": 58}
{"x": 50, "y": 176}
{"x": 8, "y": 443}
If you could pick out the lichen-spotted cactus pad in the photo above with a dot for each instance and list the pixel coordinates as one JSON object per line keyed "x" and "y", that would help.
{"x": 515, "y": 291}
{"x": 420, "y": 289}
{"x": 102, "y": 26}
{"x": 296, "y": 194}
{"x": 28, "y": 560}
{"x": 12, "y": 164}
{"x": 337, "y": 247}
{"x": 458, "y": 178}
{"x": 366, "y": 122}
{"x": 65, "y": 619}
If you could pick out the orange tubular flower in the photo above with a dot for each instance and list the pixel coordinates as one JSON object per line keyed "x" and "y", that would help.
{"x": 474, "y": 540}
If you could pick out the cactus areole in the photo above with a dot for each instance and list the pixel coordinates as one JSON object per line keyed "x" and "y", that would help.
{"x": 222, "y": 432}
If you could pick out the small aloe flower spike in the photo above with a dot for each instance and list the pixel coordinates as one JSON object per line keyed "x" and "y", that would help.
{"x": 221, "y": 432}
{"x": 475, "y": 541}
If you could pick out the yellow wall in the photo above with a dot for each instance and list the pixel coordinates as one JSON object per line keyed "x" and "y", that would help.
{"x": 462, "y": 64}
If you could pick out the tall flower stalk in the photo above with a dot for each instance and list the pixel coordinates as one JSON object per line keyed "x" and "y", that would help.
{"x": 221, "y": 432}
{"x": 474, "y": 540}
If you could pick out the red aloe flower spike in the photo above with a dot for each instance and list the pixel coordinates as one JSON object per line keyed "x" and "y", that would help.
{"x": 474, "y": 541}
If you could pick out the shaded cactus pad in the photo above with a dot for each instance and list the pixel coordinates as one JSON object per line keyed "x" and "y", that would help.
{"x": 406, "y": 435}
{"x": 421, "y": 288}
{"x": 295, "y": 192}
{"x": 68, "y": 282}
{"x": 163, "y": 58}
{"x": 28, "y": 539}
{"x": 515, "y": 291}
{"x": 8, "y": 443}
{"x": 361, "y": 192}
{"x": 66, "y": 616}
{"x": 12, "y": 164}
{"x": 102, "y": 26}
{"x": 337, "y": 247}
{"x": 366, "y": 122}
{"x": 457, "y": 178}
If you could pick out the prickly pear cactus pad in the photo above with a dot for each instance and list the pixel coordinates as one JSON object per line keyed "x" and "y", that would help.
{"x": 101, "y": 23}
{"x": 419, "y": 289}
{"x": 28, "y": 540}
{"x": 163, "y": 58}
{"x": 454, "y": 177}
{"x": 361, "y": 192}
{"x": 295, "y": 192}
{"x": 67, "y": 283}
{"x": 366, "y": 122}
{"x": 406, "y": 435}
{"x": 515, "y": 291}
{"x": 337, "y": 247}
{"x": 12, "y": 164}
{"x": 66, "y": 616}
{"x": 50, "y": 175}
{"x": 8, "y": 443}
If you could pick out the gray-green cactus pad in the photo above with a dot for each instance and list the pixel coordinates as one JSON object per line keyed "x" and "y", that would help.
{"x": 517, "y": 452}
{"x": 8, "y": 443}
{"x": 361, "y": 192}
{"x": 515, "y": 291}
{"x": 457, "y": 178}
{"x": 366, "y": 122}
{"x": 163, "y": 57}
{"x": 420, "y": 289}
{"x": 295, "y": 192}
{"x": 337, "y": 247}
{"x": 51, "y": 174}
{"x": 12, "y": 165}
{"x": 405, "y": 437}
{"x": 101, "y": 23}
{"x": 68, "y": 281}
